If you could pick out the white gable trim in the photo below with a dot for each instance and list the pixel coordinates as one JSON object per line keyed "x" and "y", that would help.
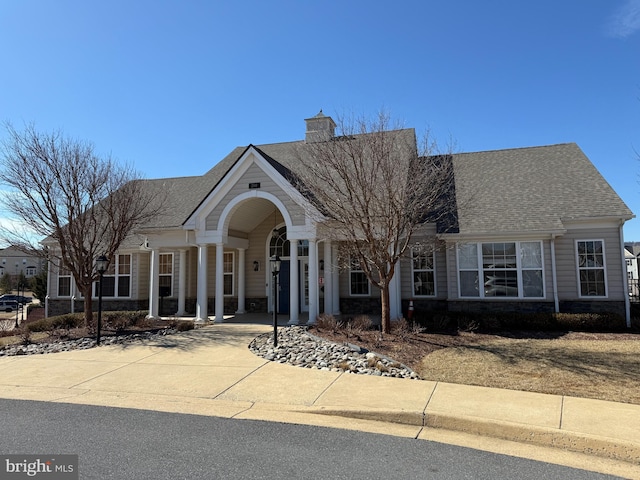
{"x": 197, "y": 220}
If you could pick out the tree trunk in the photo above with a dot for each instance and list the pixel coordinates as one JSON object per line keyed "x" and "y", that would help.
{"x": 88, "y": 306}
{"x": 386, "y": 308}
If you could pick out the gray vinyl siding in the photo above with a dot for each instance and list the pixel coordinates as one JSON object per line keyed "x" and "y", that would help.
{"x": 255, "y": 282}
{"x": 452, "y": 271}
{"x": 568, "y": 288}
{"x": 252, "y": 175}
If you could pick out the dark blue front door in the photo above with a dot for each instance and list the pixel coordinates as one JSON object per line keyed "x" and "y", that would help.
{"x": 285, "y": 282}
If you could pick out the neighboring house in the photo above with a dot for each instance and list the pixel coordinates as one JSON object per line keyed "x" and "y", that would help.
{"x": 13, "y": 262}
{"x": 631, "y": 261}
{"x": 537, "y": 229}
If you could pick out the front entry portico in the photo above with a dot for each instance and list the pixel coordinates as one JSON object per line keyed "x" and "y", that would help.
{"x": 224, "y": 256}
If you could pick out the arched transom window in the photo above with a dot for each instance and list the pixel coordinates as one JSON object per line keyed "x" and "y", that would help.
{"x": 280, "y": 246}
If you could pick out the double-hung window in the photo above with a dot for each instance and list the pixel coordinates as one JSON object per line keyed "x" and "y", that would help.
{"x": 591, "y": 268}
{"x": 423, "y": 273}
{"x": 116, "y": 281}
{"x": 501, "y": 269}
{"x": 227, "y": 261}
{"x": 165, "y": 274}
{"x": 64, "y": 282}
{"x": 358, "y": 281}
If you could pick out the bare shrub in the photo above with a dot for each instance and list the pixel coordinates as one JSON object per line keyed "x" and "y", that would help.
{"x": 328, "y": 322}
{"x": 25, "y": 337}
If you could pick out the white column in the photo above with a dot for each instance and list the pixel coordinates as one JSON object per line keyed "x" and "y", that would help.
{"x": 154, "y": 280}
{"x": 219, "y": 282}
{"x": 182, "y": 281}
{"x": 241, "y": 281}
{"x": 328, "y": 278}
{"x": 294, "y": 284}
{"x": 201, "y": 302}
{"x": 395, "y": 300}
{"x": 335, "y": 275}
{"x": 313, "y": 282}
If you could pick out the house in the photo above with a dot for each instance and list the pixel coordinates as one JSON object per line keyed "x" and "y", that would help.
{"x": 631, "y": 260}
{"x": 14, "y": 262}
{"x": 536, "y": 229}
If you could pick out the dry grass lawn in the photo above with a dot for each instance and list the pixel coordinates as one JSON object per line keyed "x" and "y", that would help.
{"x": 603, "y": 366}
{"x": 588, "y": 368}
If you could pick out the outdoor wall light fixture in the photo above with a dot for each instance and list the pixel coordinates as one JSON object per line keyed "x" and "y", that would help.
{"x": 321, "y": 264}
{"x": 102, "y": 263}
{"x": 256, "y": 266}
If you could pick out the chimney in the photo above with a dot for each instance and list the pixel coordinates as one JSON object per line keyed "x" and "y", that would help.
{"x": 319, "y": 128}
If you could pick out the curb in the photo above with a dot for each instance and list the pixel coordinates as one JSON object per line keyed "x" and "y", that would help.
{"x": 610, "y": 448}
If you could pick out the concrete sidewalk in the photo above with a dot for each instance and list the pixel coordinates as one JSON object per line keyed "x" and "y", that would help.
{"x": 210, "y": 371}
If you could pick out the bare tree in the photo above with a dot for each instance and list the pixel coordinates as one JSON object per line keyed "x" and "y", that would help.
{"x": 86, "y": 205}
{"x": 376, "y": 186}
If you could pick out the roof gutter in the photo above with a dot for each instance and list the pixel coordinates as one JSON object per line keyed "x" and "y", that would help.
{"x": 479, "y": 236}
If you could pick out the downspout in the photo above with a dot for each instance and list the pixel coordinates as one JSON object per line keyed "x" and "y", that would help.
{"x": 554, "y": 276}
{"x": 625, "y": 280}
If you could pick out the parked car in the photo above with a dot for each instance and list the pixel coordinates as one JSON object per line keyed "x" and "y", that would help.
{"x": 16, "y": 298}
{"x": 8, "y": 305}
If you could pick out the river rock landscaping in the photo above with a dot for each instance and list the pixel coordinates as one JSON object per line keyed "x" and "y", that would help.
{"x": 296, "y": 346}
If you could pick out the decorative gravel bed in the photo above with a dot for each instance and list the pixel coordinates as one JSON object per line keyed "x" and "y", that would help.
{"x": 80, "y": 344}
{"x": 299, "y": 348}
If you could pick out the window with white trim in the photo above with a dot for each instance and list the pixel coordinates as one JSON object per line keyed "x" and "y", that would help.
{"x": 64, "y": 282}
{"x": 116, "y": 281}
{"x": 358, "y": 281}
{"x": 165, "y": 273}
{"x": 501, "y": 269}
{"x": 423, "y": 273}
{"x": 30, "y": 271}
{"x": 227, "y": 263}
{"x": 591, "y": 268}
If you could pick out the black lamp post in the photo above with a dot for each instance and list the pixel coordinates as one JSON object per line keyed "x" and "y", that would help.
{"x": 18, "y": 301}
{"x": 102, "y": 263}
{"x": 24, "y": 263}
{"x": 275, "y": 270}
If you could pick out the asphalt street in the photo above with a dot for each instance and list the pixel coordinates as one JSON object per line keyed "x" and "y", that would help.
{"x": 119, "y": 443}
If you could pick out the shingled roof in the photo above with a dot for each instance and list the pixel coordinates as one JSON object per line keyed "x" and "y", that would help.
{"x": 532, "y": 189}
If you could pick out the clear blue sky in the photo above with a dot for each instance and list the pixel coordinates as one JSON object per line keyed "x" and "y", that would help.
{"x": 172, "y": 86}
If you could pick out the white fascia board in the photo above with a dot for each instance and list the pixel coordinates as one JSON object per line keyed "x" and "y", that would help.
{"x": 594, "y": 222}
{"x": 500, "y": 236}
{"x": 251, "y": 156}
